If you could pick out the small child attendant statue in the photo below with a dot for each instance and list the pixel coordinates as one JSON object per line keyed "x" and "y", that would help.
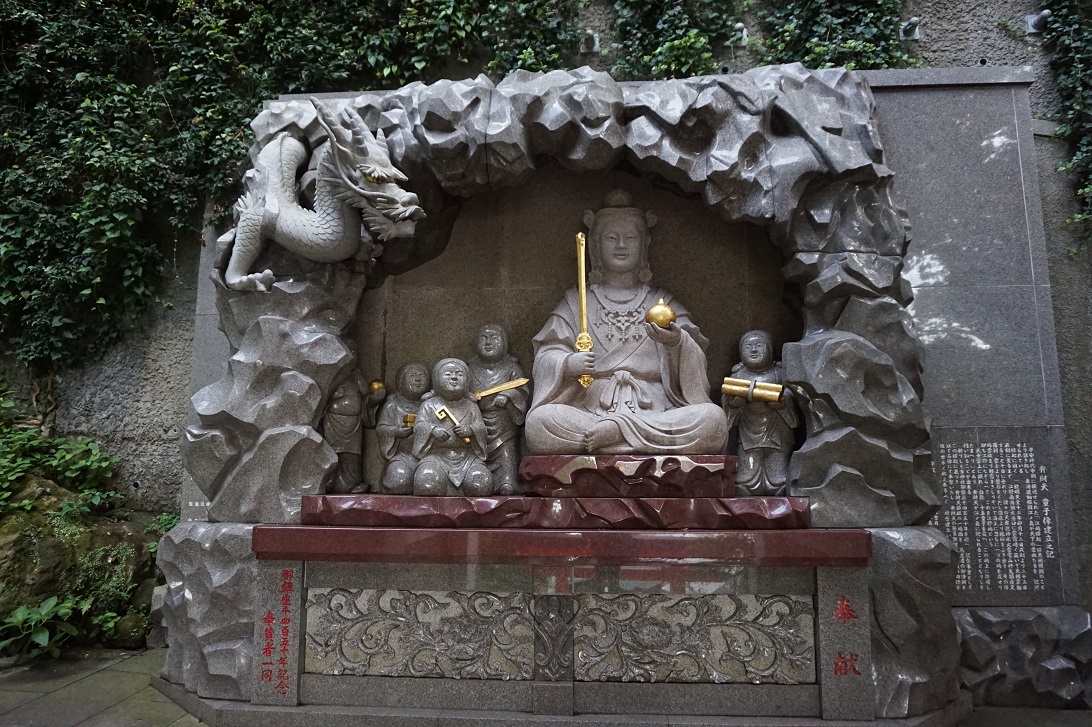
{"x": 503, "y": 411}
{"x": 450, "y": 437}
{"x": 765, "y": 428}
{"x": 395, "y": 429}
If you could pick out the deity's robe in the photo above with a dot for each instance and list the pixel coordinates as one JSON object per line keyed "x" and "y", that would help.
{"x": 453, "y": 456}
{"x": 657, "y": 395}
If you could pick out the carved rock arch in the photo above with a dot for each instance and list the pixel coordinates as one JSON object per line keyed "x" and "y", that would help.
{"x": 791, "y": 150}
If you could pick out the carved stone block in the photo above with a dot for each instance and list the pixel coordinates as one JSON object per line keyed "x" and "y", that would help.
{"x": 914, "y": 637}
{"x": 422, "y": 634}
{"x": 565, "y": 513}
{"x": 1026, "y": 657}
{"x": 208, "y": 608}
{"x": 628, "y": 476}
{"x": 720, "y": 639}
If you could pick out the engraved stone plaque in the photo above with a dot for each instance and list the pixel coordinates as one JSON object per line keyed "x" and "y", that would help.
{"x": 719, "y": 639}
{"x": 421, "y": 634}
{"x": 1000, "y": 511}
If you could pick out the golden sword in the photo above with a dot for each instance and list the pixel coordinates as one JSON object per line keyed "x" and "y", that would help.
{"x": 583, "y": 340}
{"x": 513, "y": 384}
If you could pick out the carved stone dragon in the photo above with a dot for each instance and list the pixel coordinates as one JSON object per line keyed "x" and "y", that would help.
{"x": 354, "y": 179}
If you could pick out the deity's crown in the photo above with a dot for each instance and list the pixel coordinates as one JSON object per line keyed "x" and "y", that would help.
{"x": 618, "y": 203}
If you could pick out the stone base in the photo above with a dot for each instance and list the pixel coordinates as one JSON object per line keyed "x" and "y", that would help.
{"x": 223, "y": 713}
{"x": 558, "y": 513}
{"x": 571, "y": 475}
{"x": 1027, "y": 657}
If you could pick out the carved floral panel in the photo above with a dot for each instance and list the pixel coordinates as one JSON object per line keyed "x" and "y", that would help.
{"x": 719, "y": 639}
{"x": 420, "y": 634}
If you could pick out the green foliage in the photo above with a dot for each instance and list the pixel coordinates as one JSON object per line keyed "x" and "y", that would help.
{"x": 670, "y": 38}
{"x": 78, "y": 465}
{"x": 856, "y": 34}
{"x": 30, "y": 631}
{"x": 160, "y": 525}
{"x": 1069, "y": 38}
{"x": 534, "y": 36}
{"x": 118, "y": 115}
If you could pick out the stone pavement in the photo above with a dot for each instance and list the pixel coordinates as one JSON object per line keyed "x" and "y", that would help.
{"x": 104, "y": 688}
{"x": 93, "y": 688}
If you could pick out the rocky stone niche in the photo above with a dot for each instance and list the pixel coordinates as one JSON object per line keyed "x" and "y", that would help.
{"x": 792, "y": 153}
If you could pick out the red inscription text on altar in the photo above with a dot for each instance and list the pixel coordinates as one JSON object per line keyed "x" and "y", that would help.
{"x": 288, "y": 577}
{"x": 843, "y": 611}
{"x": 267, "y": 650}
{"x": 844, "y": 666}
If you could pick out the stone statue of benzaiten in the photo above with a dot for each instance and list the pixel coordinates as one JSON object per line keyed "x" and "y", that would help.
{"x": 756, "y": 401}
{"x": 608, "y": 381}
{"x": 500, "y": 387}
{"x": 394, "y": 429}
{"x": 449, "y": 437}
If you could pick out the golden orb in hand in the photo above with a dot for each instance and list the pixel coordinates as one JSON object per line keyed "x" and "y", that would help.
{"x": 375, "y": 386}
{"x": 661, "y": 314}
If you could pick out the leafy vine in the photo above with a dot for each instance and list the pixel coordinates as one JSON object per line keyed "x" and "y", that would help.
{"x": 670, "y": 38}
{"x": 120, "y": 118}
{"x": 1069, "y": 38}
{"x": 856, "y": 34}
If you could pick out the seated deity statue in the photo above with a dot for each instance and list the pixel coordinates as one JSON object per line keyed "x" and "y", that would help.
{"x": 495, "y": 368}
{"x": 649, "y": 387}
{"x": 450, "y": 437}
{"x": 765, "y": 427}
{"x": 394, "y": 430}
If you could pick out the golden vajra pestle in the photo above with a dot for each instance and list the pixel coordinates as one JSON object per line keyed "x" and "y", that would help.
{"x": 752, "y": 390}
{"x": 583, "y": 339}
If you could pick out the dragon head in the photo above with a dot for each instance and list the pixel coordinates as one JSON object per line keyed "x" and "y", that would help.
{"x": 358, "y": 165}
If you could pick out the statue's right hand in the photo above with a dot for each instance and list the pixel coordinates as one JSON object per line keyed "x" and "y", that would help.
{"x": 441, "y": 434}
{"x": 580, "y": 363}
{"x": 403, "y": 432}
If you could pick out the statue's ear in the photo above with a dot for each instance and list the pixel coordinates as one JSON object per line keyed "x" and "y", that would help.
{"x": 651, "y": 219}
{"x": 589, "y": 218}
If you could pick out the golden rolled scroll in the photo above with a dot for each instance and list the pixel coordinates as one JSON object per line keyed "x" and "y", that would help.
{"x": 752, "y": 390}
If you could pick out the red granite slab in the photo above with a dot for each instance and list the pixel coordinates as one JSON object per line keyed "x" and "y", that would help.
{"x": 773, "y": 548}
{"x": 559, "y": 513}
{"x": 703, "y": 475}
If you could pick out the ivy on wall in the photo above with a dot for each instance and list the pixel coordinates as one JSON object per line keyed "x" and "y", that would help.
{"x": 856, "y": 34}
{"x": 670, "y": 38}
{"x": 1069, "y": 38}
{"x": 119, "y": 118}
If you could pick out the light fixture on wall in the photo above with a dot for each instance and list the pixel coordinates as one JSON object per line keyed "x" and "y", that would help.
{"x": 590, "y": 42}
{"x": 1037, "y": 23}
{"x": 911, "y": 29}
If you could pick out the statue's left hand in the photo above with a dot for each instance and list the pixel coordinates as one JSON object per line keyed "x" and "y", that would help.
{"x": 669, "y": 337}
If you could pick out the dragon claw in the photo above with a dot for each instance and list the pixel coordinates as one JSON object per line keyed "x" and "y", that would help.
{"x": 260, "y": 282}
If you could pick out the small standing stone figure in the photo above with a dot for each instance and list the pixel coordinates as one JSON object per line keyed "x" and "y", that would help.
{"x": 394, "y": 429}
{"x": 765, "y": 428}
{"x": 450, "y": 438}
{"x": 504, "y": 411}
{"x": 341, "y": 428}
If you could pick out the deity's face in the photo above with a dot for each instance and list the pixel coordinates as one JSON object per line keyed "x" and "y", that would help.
{"x": 451, "y": 381}
{"x": 413, "y": 382}
{"x": 756, "y": 352}
{"x": 492, "y": 343}
{"x": 620, "y": 244}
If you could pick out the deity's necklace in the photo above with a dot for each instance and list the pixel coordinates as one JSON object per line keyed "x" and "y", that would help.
{"x": 620, "y": 319}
